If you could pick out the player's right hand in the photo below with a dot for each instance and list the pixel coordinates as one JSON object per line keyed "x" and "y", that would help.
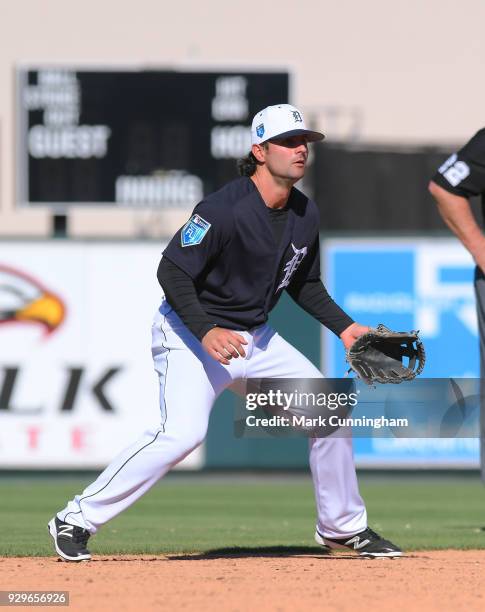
{"x": 224, "y": 344}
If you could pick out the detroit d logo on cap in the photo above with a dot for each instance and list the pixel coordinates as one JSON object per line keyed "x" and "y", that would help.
{"x": 297, "y": 117}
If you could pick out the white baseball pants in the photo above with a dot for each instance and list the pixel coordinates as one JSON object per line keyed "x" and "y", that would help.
{"x": 190, "y": 382}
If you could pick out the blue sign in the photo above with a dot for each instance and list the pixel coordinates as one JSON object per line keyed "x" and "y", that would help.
{"x": 426, "y": 285}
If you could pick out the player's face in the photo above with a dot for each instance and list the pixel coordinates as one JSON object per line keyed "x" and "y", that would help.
{"x": 286, "y": 158}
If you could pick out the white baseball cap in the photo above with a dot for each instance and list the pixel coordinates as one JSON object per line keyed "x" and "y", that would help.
{"x": 281, "y": 120}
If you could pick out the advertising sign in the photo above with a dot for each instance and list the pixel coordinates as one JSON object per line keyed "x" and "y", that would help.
{"x": 77, "y": 383}
{"x": 426, "y": 285}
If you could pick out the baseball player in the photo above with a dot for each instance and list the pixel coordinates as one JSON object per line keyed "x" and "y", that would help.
{"x": 459, "y": 178}
{"x": 222, "y": 273}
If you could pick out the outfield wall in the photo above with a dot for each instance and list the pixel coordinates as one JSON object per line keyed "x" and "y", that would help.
{"x": 76, "y": 377}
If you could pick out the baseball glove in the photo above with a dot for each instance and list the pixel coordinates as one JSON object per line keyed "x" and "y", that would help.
{"x": 378, "y": 356}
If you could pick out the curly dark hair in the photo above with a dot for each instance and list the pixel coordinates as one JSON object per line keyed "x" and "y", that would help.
{"x": 246, "y": 166}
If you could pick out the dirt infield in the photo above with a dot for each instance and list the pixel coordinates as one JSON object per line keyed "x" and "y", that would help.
{"x": 437, "y": 580}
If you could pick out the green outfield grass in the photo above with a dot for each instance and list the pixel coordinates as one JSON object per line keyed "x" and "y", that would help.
{"x": 205, "y": 514}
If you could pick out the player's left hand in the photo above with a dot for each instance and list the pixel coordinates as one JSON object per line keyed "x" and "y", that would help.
{"x": 351, "y": 333}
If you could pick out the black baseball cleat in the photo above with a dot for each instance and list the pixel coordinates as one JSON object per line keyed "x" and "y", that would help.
{"x": 70, "y": 541}
{"x": 367, "y": 543}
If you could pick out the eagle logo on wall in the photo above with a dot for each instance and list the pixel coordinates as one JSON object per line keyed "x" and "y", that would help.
{"x": 24, "y": 299}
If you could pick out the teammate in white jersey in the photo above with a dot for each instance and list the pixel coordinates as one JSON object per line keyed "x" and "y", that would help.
{"x": 222, "y": 273}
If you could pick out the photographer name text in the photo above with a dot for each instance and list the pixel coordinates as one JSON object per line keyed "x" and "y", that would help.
{"x": 333, "y": 421}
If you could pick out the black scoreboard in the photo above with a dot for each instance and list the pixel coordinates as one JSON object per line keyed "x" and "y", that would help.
{"x": 134, "y": 138}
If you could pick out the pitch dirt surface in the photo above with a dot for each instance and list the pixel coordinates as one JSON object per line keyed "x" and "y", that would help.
{"x": 430, "y": 580}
